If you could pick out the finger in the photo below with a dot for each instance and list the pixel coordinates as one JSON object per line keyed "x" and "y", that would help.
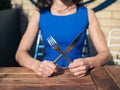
{"x": 47, "y": 69}
{"x": 43, "y": 73}
{"x": 76, "y": 64}
{"x": 45, "y": 76}
{"x": 46, "y": 64}
{"x": 50, "y": 64}
{"x": 38, "y": 73}
{"x": 54, "y": 67}
{"x": 80, "y": 68}
{"x": 80, "y": 73}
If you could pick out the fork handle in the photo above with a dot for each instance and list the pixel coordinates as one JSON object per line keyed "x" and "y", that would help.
{"x": 62, "y": 54}
{"x": 55, "y": 61}
{"x": 67, "y": 58}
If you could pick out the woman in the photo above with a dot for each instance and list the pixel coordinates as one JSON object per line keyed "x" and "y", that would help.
{"x": 63, "y": 19}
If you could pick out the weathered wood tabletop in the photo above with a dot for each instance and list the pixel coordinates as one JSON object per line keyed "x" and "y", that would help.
{"x": 21, "y": 78}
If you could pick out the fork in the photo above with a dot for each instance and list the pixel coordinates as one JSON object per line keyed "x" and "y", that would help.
{"x": 56, "y": 47}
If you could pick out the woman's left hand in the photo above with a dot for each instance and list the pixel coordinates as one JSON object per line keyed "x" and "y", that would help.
{"x": 79, "y": 67}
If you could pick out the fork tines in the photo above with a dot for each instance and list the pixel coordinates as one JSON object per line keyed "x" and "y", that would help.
{"x": 52, "y": 42}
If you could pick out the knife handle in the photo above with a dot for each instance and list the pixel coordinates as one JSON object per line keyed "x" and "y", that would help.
{"x": 67, "y": 58}
{"x": 62, "y": 54}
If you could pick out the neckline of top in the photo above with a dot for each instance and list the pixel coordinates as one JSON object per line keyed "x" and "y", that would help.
{"x": 63, "y": 15}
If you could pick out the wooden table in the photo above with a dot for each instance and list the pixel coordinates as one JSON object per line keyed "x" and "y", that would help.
{"x": 20, "y": 78}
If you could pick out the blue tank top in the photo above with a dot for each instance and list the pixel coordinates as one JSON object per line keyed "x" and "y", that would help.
{"x": 64, "y": 29}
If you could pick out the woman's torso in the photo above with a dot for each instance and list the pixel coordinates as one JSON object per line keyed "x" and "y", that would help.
{"x": 64, "y": 29}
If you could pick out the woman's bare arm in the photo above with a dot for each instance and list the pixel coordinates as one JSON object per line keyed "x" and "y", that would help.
{"x": 99, "y": 42}
{"x": 22, "y": 55}
{"x": 80, "y": 66}
{"x": 42, "y": 69}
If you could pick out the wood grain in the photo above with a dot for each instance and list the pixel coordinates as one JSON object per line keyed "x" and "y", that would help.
{"x": 103, "y": 80}
{"x": 114, "y": 72}
{"x": 20, "y": 78}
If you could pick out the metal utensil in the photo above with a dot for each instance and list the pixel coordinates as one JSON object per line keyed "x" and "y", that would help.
{"x": 70, "y": 47}
{"x": 56, "y": 47}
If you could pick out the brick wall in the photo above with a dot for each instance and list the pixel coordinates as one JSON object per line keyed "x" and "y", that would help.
{"x": 108, "y": 17}
{"x": 26, "y": 10}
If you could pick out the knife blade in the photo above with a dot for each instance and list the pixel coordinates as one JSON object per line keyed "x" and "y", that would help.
{"x": 69, "y": 48}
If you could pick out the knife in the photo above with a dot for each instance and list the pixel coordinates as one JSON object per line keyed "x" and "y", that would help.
{"x": 69, "y": 48}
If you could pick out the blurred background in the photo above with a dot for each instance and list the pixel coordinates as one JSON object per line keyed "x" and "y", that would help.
{"x": 15, "y": 14}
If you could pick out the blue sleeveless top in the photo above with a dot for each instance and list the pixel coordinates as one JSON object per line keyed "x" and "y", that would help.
{"x": 64, "y": 29}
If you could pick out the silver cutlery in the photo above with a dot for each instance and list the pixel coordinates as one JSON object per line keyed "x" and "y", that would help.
{"x": 56, "y": 47}
{"x": 70, "y": 47}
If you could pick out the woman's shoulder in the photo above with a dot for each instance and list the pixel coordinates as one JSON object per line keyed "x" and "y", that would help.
{"x": 36, "y": 12}
{"x": 35, "y": 15}
{"x": 90, "y": 11}
{"x": 91, "y": 14}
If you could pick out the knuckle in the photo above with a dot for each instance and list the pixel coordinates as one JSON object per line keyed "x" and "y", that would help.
{"x": 41, "y": 65}
{"x": 85, "y": 68}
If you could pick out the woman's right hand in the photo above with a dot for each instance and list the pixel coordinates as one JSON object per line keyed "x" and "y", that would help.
{"x": 44, "y": 68}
